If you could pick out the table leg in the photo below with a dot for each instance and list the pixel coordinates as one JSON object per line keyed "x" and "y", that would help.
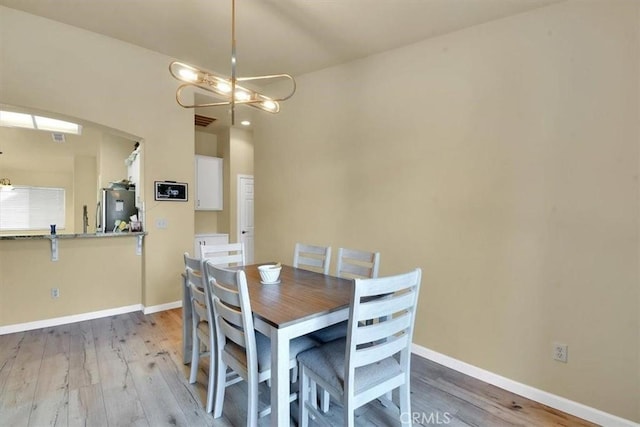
{"x": 280, "y": 378}
{"x": 186, "y": 322}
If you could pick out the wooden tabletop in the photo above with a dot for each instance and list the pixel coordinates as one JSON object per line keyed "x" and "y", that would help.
{"x": 301, "y": 294}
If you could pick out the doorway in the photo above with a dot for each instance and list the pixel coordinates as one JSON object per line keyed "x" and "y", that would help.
{"x": 245, "y": 215}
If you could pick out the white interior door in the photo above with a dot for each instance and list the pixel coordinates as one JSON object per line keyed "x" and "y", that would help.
{"x": 245, "y": 215}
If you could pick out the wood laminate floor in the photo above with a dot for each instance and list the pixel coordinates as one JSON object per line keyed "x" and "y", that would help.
{"x": 127, "y": 370}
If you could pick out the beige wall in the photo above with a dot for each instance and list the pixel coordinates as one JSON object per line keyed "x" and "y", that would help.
{"x": 501, "y": 159}
{"x": 122, "y": 87}
{"x": 235, "y": 146}
{"x": 113, "y": 151}
{"x": 224, "y": 151}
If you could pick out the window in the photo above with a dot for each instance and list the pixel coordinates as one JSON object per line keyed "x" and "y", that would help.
{"x": 31, "y": 208}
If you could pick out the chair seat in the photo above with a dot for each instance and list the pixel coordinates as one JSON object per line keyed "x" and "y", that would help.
{"x": 263, "y": 345}
{"x": 328, "y": 362}
{"x": 331, "y": 333}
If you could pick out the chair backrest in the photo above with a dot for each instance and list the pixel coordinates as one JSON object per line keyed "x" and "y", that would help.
{"x": 198, "y": 294}
{"x": 191, "y": 262}
{"x": 310, "y": 257}
{"x": 225, "y": 255}
{"x": 232, "y": 311}
{"x": 393, "y": 299}
{"x": 353, "y": 264}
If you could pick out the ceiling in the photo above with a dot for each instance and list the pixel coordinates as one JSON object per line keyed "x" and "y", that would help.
{"x": 273, "y": 36}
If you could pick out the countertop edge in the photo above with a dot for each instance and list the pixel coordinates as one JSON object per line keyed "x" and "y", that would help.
{"x": 73, "y": 236}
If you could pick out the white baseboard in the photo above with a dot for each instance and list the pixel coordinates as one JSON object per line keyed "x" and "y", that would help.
{"x": 46, "y": 323}
{"x": 574, "y": 408}
{"x": 56, "y": 321}
{"x": 162, "y": 307}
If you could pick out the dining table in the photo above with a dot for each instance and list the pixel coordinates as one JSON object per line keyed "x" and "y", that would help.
{"x": 301, "y": 302}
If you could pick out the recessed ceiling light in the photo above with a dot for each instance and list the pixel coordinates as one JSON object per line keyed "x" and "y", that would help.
{"x": 245, "y": 123}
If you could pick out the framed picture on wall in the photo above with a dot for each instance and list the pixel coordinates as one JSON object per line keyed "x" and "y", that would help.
{"x": 171, "y": 190}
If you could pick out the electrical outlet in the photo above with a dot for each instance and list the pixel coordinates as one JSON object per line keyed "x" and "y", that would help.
{"x": 560, "y": 352}
{"x": 55, "y": 292}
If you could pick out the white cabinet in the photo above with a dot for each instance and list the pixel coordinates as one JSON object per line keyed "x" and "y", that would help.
{"x": 208, "y": 183}
{"x": 208, "y": 239}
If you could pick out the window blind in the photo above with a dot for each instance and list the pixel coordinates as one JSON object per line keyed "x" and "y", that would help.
{"x": 31, "y": 208}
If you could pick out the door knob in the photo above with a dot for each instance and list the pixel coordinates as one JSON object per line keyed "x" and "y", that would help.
{"x": 244, "y": 232}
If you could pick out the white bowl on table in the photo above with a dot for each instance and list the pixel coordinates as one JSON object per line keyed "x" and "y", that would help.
{"x": 269, "y": 273}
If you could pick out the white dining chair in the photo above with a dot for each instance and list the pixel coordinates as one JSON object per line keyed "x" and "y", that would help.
{"x": 374, "y": 358}
{"x": 351, "y": 264}
{"x": 238, "y": 346}
{"x": 311, "y": 257}
{"x": 225, "y": 255}
{"x": 203, "y": 331}
{"x": 356, "y": 264}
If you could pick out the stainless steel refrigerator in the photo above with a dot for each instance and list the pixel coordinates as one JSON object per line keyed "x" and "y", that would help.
{"x": 116, "y": 205}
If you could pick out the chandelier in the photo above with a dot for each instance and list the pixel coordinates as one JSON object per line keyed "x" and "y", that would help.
{"x": 223, "y": 87}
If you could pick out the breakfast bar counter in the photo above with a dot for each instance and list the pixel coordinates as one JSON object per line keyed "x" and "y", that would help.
{"x": 71, "y": 236}
{"x": 55, "y": 237}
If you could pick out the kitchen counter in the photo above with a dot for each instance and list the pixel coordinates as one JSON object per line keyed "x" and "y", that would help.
{"x": 55, "y": 238}
{"x": 71, "y": 236}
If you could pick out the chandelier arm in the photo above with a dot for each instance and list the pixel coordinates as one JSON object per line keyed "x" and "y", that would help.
{"x": 274, "y": 76}
{"x": 210, "y": 104}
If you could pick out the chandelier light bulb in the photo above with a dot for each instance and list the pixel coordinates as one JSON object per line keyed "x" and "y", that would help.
{"x": 189, "y": 75}
{"x": 241, "y": 95}
{"x": 224, "y": 87}
{"x": 270, "y": 105}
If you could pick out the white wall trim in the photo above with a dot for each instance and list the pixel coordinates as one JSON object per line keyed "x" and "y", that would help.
{"x": 56, "y": 321}
{"x": 569, "y": 406}
{"x": 162, "y": 307}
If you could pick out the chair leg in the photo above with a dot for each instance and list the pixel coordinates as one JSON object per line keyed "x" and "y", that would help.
{"x": 325, "y": 398}
{"x": 221, "y": 384}
{"x": 313, "y": 388}
{"x": 252, "y": 403}
{"x": 211, "y": 385}
{"x": 349, "y": 413}
{"x": 405, "y": 403}
{"x": 195, "y": 357}
{"x": 303, "y": 397}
